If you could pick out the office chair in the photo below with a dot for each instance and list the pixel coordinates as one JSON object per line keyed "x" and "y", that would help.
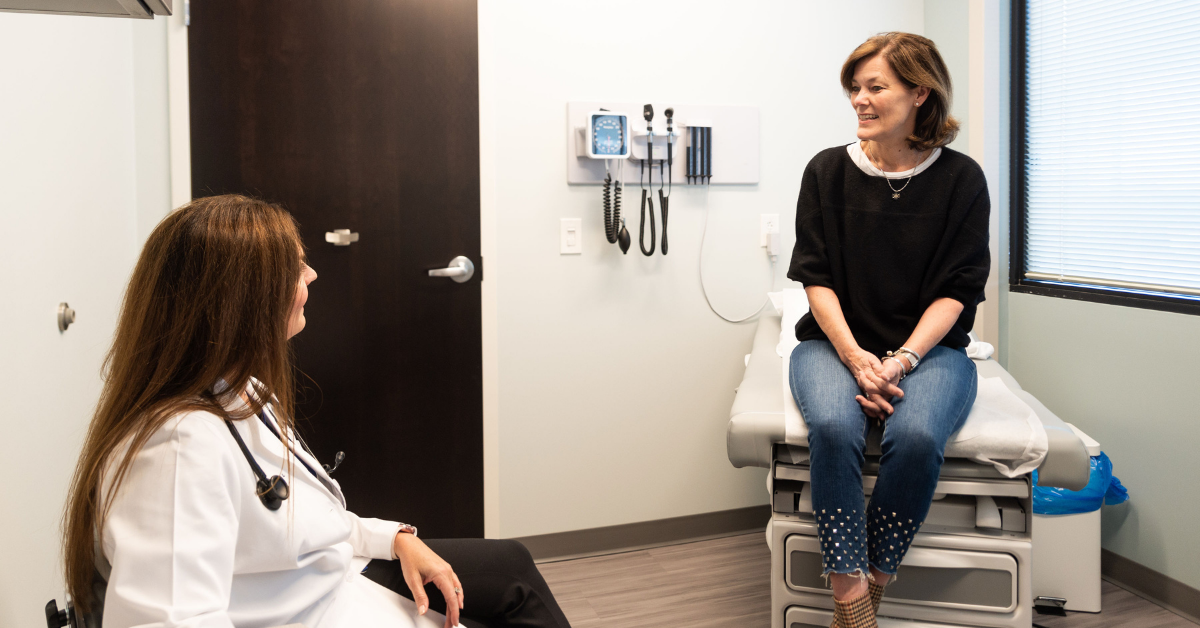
{"x": 56, "y": 618}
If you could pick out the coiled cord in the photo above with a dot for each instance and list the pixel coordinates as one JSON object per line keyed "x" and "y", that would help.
{"x": 610, "y": 230}
{"x": 616, "y": 223}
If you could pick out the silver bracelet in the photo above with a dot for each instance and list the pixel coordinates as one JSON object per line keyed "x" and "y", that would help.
{"x": 895, "y": 355}
{"x": 903, "y": 373}
{"x": 913, "y": 358}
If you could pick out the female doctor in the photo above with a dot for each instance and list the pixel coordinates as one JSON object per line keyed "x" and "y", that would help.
{"x": 193, "y": 497}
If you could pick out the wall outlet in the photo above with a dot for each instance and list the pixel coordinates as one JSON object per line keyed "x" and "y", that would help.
{"x": 571, "y": 236}
{"x": 768, "y": 224}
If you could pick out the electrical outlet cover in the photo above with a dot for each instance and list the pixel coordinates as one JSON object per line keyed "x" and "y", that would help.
{"x": 768, "y": 224}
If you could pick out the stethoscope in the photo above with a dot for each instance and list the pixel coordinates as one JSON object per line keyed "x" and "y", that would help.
{"x": 272, "y": 491}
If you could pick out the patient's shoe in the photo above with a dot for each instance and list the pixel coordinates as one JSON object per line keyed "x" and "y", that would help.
{"x": 854, "y": 613}
{"x": 875, "y": 592}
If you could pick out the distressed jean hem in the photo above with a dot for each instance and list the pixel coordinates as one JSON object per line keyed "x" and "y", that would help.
{"x": 891, "y": 575}
{"x": 858, "y": 573}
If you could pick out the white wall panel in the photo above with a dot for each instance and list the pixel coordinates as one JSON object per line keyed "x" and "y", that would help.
{"x": 70, "y": 192}
{"x": 1139, "y": 408}
{"x": 612, "y": 379}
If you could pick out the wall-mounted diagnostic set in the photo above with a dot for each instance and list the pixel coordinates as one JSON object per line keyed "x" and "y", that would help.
{"x": 719, "y": 144}
{"x": 609, "y": 136}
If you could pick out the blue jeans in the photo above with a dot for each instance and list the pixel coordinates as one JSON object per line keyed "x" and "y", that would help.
{"x": 937, "y": 399}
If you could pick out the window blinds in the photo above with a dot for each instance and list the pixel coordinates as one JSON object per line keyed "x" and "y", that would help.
{"x": 1112, "y": 160}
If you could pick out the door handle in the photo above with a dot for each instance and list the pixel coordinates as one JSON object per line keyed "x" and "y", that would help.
{"x": 341, "y": 237}
{"x": 460, "y": 269}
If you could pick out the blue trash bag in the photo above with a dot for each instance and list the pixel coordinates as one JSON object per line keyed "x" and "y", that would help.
{"x": 1102, "y": 488}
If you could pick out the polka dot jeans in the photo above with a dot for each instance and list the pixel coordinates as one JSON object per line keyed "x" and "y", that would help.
{"x": 937, "y": 399}
{"x": 849, "y": 543}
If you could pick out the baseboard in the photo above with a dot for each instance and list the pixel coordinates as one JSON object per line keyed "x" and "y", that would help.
{"x": 1161, "y": 589}
{"x": 634, "y": 536}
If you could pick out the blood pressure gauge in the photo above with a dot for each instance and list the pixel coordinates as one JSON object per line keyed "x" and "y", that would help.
{"x": 608, "y": 136}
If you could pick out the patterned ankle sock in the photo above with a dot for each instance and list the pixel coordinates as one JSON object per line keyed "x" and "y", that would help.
{"x": 854, "y": 613}
{"x": 876, "y": 593}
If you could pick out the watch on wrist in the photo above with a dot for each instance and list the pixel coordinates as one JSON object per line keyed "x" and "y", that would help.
{"x": 407, "y": 529}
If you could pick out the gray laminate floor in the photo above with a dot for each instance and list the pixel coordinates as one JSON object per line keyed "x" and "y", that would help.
{"x": 723, "y": 583}
{"x": 1121, "y": 608}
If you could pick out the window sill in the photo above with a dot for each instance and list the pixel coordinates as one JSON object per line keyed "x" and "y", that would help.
{"x": 1178, "y": 305}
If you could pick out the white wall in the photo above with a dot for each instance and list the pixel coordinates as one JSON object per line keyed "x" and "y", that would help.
{"x": 1127, "y": 377}
{"x": 947, "y": 23}
{"x": 151, "y": 125}
{"x": 82, "y": 152}
{"x": 967, "y": 33}
{"x": 609, "y": 381}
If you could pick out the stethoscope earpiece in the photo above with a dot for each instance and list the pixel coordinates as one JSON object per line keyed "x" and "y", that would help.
{"x": 272, "y": 492}
{"x": 337, "y": 462}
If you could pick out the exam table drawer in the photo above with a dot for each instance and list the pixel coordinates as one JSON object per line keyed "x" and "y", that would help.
{"x": 946, "y": 578}
{"x": 801, "y": 617}
{"x": 1018, "y": 488}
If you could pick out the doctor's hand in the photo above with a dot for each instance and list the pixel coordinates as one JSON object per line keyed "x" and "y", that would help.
{"x": 421, "y": 567}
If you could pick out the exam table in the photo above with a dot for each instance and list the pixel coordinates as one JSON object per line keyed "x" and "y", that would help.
{"x": 970, "y": 563}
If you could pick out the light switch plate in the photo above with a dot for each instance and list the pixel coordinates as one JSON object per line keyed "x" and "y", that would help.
{"x": 571, "y": 236}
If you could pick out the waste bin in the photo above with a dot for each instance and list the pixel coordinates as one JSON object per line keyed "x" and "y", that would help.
{"x": 1066, "y": 547}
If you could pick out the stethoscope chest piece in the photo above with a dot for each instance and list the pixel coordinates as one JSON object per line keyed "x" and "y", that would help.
{"x": 272, "y": 492}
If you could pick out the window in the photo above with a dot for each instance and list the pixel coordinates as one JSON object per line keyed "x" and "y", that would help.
{"x": 1106, "y": 151}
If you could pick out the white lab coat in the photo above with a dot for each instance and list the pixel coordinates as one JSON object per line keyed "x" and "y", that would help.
{"x": 188, "y": 543}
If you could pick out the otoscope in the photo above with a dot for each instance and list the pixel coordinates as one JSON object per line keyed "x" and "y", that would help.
{"x": 662, "y": 200}
{"x": 648, "y": 113}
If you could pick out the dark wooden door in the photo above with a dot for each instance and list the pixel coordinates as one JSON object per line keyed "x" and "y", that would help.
{"x": 364, "y": 115}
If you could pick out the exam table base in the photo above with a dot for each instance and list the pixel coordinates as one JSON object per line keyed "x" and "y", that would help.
{"x": 970, "y": 565}
{"x": 993, "y": 568}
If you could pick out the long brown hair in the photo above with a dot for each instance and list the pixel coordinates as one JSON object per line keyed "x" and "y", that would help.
{"x": 209, "y": 299}
{"x": 918, "y": 63}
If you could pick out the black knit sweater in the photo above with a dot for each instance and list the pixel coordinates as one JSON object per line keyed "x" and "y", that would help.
{"x": 889, "y": 259}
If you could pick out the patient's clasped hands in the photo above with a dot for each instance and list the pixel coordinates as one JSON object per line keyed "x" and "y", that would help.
{"x": 879, "y": 382}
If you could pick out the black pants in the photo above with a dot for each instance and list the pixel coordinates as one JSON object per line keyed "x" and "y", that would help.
{"x": 502, "y": 586}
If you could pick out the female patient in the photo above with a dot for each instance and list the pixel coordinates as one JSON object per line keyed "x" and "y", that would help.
{"x": 892, "y": 249}
{"x": 193, "y": 497}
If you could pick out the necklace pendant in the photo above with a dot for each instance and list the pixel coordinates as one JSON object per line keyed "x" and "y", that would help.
{"x": 895, "y": 195}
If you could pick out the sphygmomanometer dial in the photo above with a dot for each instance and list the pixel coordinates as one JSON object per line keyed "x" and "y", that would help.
{"x": 608, "y": 135}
